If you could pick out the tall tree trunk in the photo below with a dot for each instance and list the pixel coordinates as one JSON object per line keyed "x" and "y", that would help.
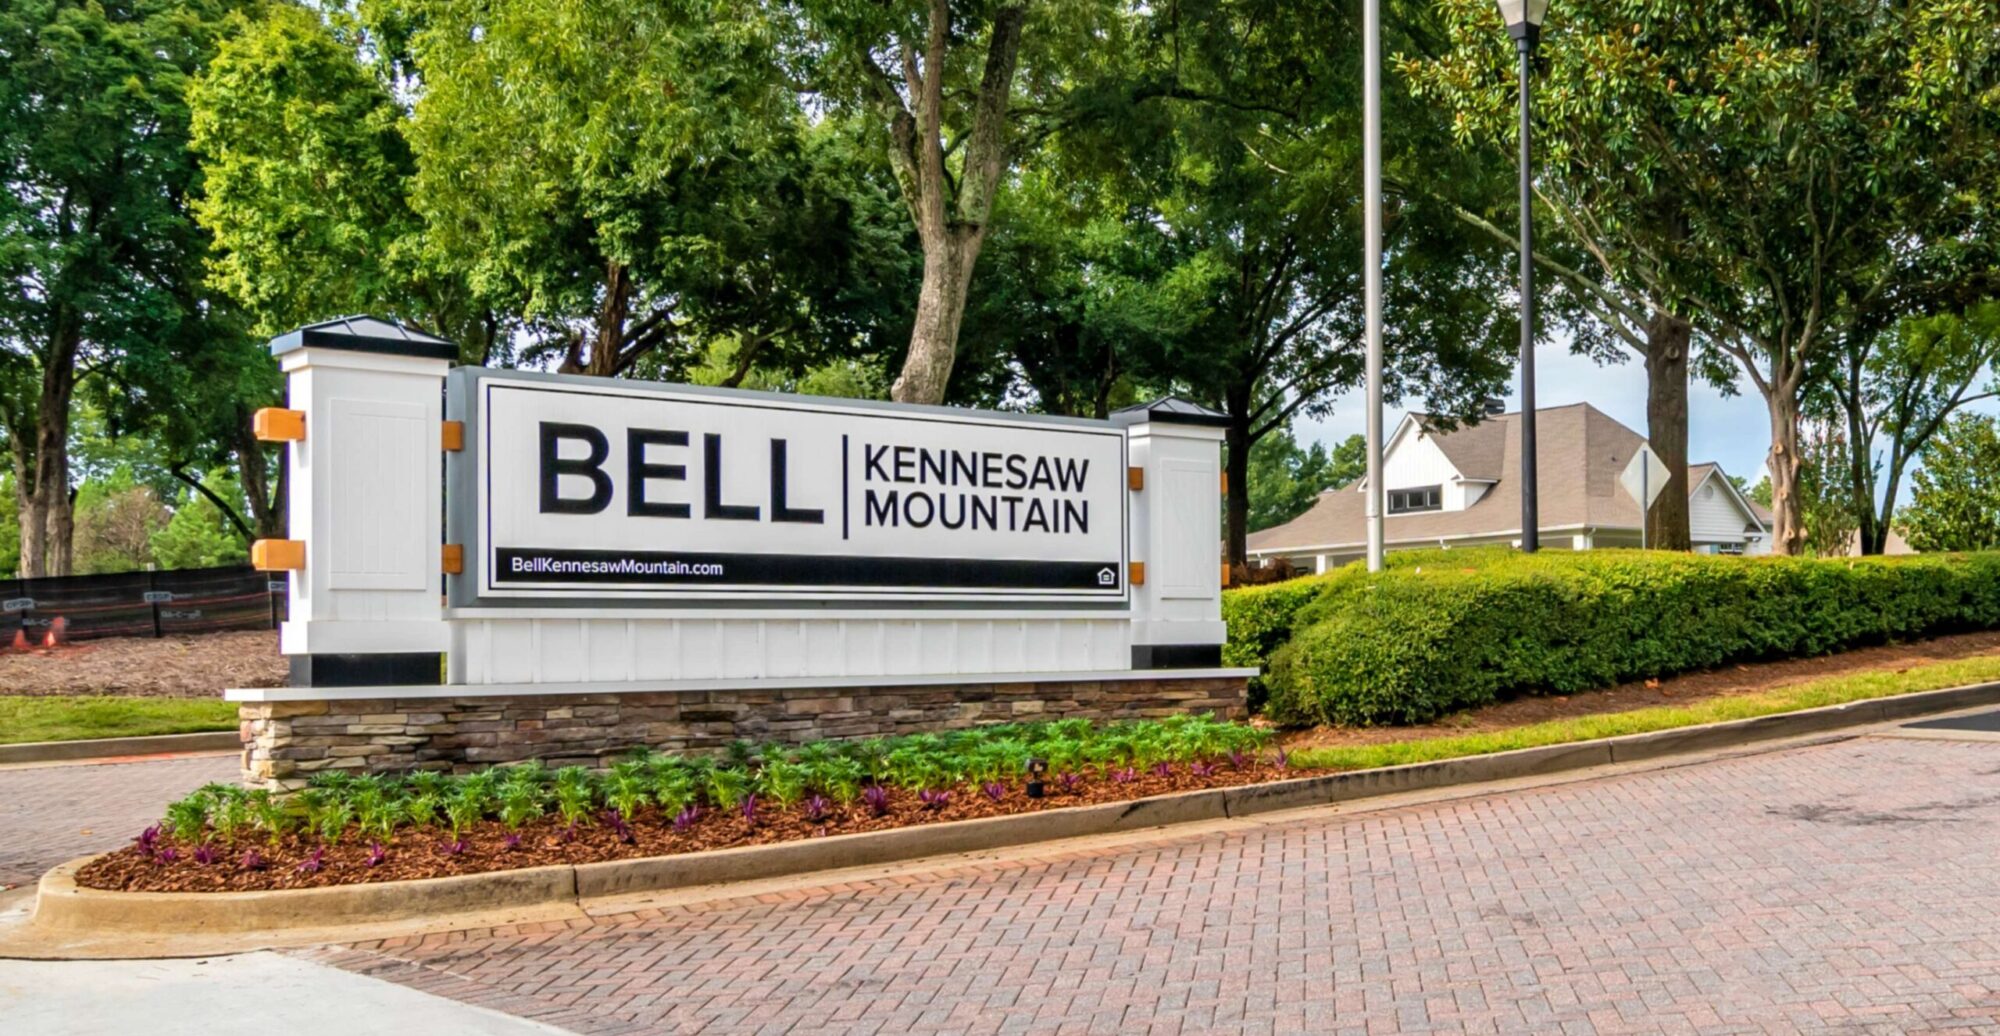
{"x": 611, "y": 316}
{"x": 1667, "y": 339}
{"x": 1788, "y": 534}
{"x": 47, "y": 517}
{"x": 1236, "y": 445}
{"x": 940, "y": 309}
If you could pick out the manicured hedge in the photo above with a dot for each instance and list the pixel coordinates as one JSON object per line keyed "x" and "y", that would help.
{"x": 1452, "y": 630}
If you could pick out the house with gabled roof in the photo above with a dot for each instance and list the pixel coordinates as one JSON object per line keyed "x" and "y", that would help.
{"x": 1458, "y": 487}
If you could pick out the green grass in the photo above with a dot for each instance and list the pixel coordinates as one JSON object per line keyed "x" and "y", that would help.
{"x": 74, "y": 719}
{"x": 1834, "y": 690}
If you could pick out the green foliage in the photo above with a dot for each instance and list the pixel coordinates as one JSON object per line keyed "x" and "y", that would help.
{"x": 1955, "y": 504}
{"x": 1460, "y": 629}
{"x": 199, "y": 535}
{"x": 116, "y": 521}
{"x": 335, "y": 802}
{"x": 1285, "y": 479}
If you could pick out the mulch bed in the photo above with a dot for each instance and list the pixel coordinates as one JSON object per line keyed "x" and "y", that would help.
{"x": 199, "y": 665}
{"x": 417, "y": 853}
{"x": 1686, "y": 689}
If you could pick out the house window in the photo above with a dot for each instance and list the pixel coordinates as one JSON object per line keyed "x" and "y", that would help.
{"x": 1422, "y": 498}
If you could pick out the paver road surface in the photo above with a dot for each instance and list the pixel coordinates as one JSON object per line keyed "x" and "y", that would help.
{"x": 52, "y": 814}
{"x": 1849, "y": 887}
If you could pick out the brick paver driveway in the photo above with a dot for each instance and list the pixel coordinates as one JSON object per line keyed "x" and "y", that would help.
{"x": 1846, "y": 887}
{"x": 50, "y": 814}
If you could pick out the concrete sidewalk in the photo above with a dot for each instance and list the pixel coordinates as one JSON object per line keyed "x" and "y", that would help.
{"x": 254, "y": 994}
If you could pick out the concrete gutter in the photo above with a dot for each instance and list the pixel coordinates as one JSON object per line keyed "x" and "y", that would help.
{"x": 118, "y": 747}
{"x": 67, "y": 915}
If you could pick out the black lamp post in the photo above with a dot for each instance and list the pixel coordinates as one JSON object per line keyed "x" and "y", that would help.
{"x": 1524, "y": 23}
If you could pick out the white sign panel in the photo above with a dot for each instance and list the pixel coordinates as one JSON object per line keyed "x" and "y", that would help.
{"x": 1645, "y": 477}
{"x": 623, "y": 491}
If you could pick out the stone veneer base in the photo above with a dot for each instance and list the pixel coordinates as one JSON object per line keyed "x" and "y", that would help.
{"x": 286, "y": 742}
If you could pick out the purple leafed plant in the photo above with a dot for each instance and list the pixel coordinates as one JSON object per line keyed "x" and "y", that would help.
{"x": 204, "y": 854}
{"x": 1070, "y": 780}
{"x": 252, "y": 860}
{"x": 877, "y": 798}
{"x": 1125, "y": 776}
{"x": 934, "y": 798}
{"x": 686, "y": 818}
{"x": 1283, "y": 760}
{"x": 148, "y": 841}
{"x": 749, "y": 809}
{"x": 376, "y": 854}
{"x": 569, "y": 833}
{"x": 454, "y": 847}
{"x": 166, "y": 854}
{"x": 1237, "y": 759}
{"x": 512, "y": 840}
{"x": 1200, "y": 769}
{"x": 1163, "y": 769}
{"x": 994, "y": 790}
{"x": 312, "y": 864}
{"x": 816, "y": 808}
{"x": 618, "y": 826}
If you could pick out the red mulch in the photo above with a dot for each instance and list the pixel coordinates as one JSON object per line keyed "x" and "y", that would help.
{"x": 424, "y": 854}
{"x": 198, "y": 665}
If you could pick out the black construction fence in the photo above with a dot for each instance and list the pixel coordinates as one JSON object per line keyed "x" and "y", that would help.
{"x": 140, "y": 604}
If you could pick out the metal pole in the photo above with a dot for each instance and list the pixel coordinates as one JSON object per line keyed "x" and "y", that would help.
{"x": 1530, "y": 509}
{"x": 1645, "y": 495}
{"x": 1371, "y": 267}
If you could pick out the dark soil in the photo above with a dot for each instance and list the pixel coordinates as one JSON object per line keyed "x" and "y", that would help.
{"x": 199, "y": 665}
{"x": 1686, "y": 689}
{"x": 424, "y": 853}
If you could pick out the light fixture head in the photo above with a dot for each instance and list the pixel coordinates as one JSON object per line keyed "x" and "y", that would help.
{"x": 1524, "y": 19}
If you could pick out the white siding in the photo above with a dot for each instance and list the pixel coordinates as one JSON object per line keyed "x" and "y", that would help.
{"x": 1414, "y": 460}
{"x": 565, "y": 650}
{"x": 1714, "y": 516}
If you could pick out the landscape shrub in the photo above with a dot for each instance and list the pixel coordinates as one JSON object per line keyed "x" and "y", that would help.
{"x": 1459, "y": 629}
{"x": 775, "y": 778}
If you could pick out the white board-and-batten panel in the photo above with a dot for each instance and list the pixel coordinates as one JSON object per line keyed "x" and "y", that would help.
{"x": 578, "y": 650}
{"x": 1414, "y": 460}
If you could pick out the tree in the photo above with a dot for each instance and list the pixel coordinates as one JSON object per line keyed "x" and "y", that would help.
{"x": 201, "y": 533}
{"x": 639, "y": 180}
{"x": 1286, "y": 479}
{"x": 939, "y": 78}
{"x": 1955, "y": 502}
{"x": 1771, "y": 173}
{"x": 116, "y": 520}
{"x": 97, "y": 248}
{"x": 1898, "y": 388}
{"x": 1251, "y": 197}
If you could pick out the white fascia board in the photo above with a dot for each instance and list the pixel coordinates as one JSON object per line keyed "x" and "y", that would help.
{"x": 1419, "y": 541}
{"x": 524, "y": 690}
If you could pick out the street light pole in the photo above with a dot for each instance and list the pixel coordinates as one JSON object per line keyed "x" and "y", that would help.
{"x": 1524, "y": 24}
{"x": 1371, "y": 267}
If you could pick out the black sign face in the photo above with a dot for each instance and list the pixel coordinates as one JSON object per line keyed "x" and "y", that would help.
{"x": 640, "y": 493}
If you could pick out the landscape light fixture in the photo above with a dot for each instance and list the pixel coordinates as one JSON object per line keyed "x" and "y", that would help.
{"x": 1524, "y": 24}
{"x": 1524, "y": 20}
{"x": 1037, "y": 768}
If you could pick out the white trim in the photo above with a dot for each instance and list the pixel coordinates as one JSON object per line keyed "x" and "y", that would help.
{"x": 527, "y": 690}
{"x": 1343, "y": 547}
{"x": 711, "y": 614}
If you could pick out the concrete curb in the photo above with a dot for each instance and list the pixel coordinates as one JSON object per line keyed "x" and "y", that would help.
{"x": 114, "y": 747}
{"x": 62, "y": 908}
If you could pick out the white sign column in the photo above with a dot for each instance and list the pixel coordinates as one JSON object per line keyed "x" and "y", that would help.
{"x": 1176, "y": 534}
{"x": 365, "y": 503}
